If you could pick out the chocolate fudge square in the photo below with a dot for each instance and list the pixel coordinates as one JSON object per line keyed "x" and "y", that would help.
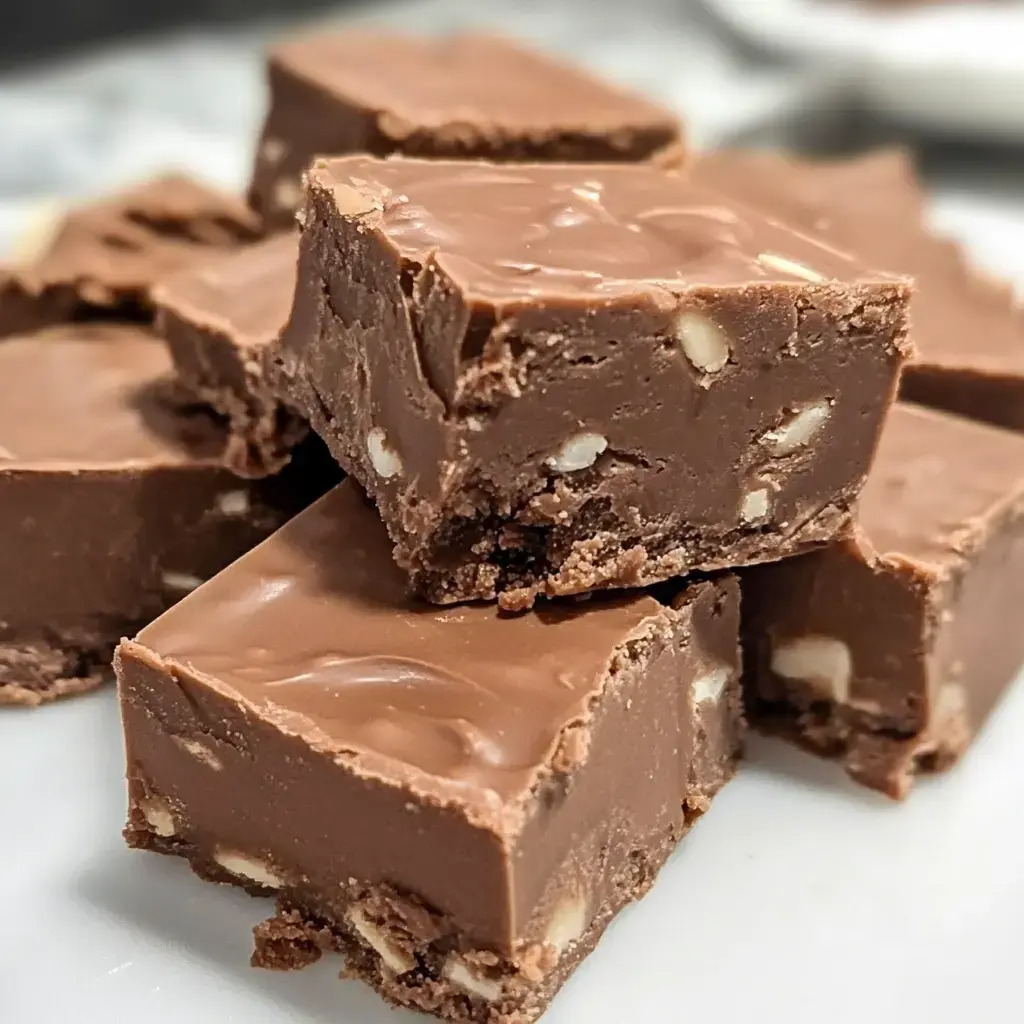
{"x": 105, "y": 256}
{"x": 459, "y": 801}
{"x": 888, "y": 650}
{"x": 466, "y": 95}
{"x": 218, "y": 317}
{"x": 967, "y": 326}
{"x": 556, "y": 379}
{"x": 114, "y": 502}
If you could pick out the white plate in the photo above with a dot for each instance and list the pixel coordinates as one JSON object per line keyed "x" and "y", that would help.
{"x": 798, "y": 899}
{"x": 955, "y": 67}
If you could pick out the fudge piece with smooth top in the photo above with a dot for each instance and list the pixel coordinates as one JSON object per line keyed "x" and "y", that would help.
{"x": 114, "y": 502}
{"x": 968, "y": 327}
{"x": 556, "y": 379}
{"x": 218, "y": 318}
{"x": 458, "y": 800}
{"x": 888, "y": 650}
{"x": 466, "y": 95}
{"x": 104, "y": 257}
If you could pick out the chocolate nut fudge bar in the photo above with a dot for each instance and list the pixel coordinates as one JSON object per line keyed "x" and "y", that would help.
{"x": 217, "y": 318}
{"x": 113, "y": 502}
{"x": 458, "y": 800}
{"x": 968, "y": 327}
{"x": 106, "y": 255}
{"x": 888, "y": 650}
{"x": 466, "y": 95}
{"x": 555, "y": 379}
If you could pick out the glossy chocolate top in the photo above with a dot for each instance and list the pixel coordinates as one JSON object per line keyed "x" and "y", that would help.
{"x": 468, "y": 80}
{"x": 95, "y": 395}
{"x": 572, "y": 231}
{"x": 874, "y": 206}
{"x": 245, "y": 294}
{"x": 935, "y": 478}
{"x": 313, "y": 629}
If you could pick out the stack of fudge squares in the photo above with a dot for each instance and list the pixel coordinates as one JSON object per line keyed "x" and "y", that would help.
{"x": 640, "y": 447}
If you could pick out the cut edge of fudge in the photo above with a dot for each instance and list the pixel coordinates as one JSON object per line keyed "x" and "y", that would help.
{"x": 521, "y": 907}
{"x": 110, "y": 542}
{"x": 205, "y": 314}
{"x": 37, "y": 673}
{"x": 949, "y": 656}
{"x": 516, "y": 543}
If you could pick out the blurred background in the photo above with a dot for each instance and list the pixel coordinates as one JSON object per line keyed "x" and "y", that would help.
{"x": 94, "y": 95}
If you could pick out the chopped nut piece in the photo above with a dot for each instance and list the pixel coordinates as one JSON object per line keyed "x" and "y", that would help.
{"x": 950, "y": 703}
{"x": 577, "y": 453}
{"x": 710, "y": 686}
{"x": 200, "y": 752}
{"x": 158, "y": 814}
{"x": 822, "y": 661}
{"x": 471, "y": 981}
{"x": 394, "y": 958}
{"x": 287, "y": 194}
{"x": 272, "y": 150}
{"x": 233, "y": 503}
{"x": 385, "y": 459}
{"x": 782, "y": 265}
{"x": 183, "y": 581}
{"x": 756, "y": 505}
{"x": 248, "y": 868}
{"x": 568, "y": 923}
{"x": 797, "y": 430}
{"x": 703, "y": 342}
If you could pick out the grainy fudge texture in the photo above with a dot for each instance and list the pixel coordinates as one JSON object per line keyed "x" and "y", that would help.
{"x": 457, "y": 800}
{"x": 555, "y": 379}
{"x": 967, "y": 327}
{"x": 218, "y": 318}
{"x": 463, "y": 96}
{"x": 113, "y": 502}
{"x": 105, "y": 256}
{"x": 888, "y": 650}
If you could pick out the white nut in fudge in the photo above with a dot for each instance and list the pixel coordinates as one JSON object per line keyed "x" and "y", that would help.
{"x": 184, "y": 582}
{"x": 273, "y": 150}
{"x": 233, "y": 503}
{"x": 384, "y": 459}
{"x": 704, "y": 344}
{"x": 709, "y": 687}
{"x": 578, "y": 452}
{"x": 797, "y": 429}
{"x": 821, "y": 661}
{"x": 775, "y": 263}
{"x": 288, "y": 194}
{"x": 470, "y": 980}
{"x": 158, "y": 815}
{"x": 756, "y": 504}
{"x": 394, "y": 958}
{"x": 199, "y": 751}
{"x": 249, "y": 868}
{"x": 568, "y": 923}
